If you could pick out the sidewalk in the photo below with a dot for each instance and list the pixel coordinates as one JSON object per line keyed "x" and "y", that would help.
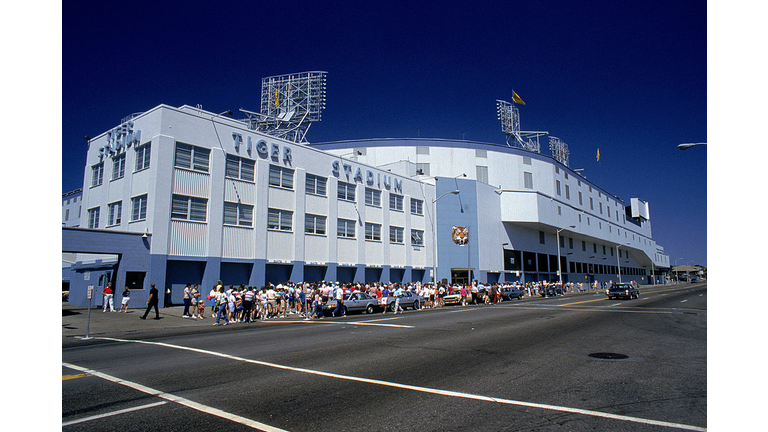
{"x": 122, "y": 324}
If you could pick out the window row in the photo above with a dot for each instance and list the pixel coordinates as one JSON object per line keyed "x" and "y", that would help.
{"x": 115, "y": 212}
{"x": 118, "y": 165}
{"x": 195, "y": 209}
{"x": 345, "y": 228}
{"x": 197, "y": 158}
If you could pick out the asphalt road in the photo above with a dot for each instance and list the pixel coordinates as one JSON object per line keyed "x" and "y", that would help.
{"x": 579, "y": 362}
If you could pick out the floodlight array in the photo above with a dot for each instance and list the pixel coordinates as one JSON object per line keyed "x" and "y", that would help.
{"x": 290, "y": 104}
{"x": 509, "y": 115}
{"x": 559, "y": 150}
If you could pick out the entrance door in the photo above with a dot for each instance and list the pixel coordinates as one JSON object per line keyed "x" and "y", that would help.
{"x": 459, "y": 276}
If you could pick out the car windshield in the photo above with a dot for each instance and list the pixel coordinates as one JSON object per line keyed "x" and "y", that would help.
{"x": 620, "y": 287}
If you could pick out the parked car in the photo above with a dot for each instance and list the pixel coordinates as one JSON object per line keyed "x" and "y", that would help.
{"x": 354, "y": 302}
{"x": 508, "y": 293}
{"x": 452, "y": 298}
{"x": 552, "y": 291}
{"x": 407, "y": 300}
{"x": 623, "y": 290}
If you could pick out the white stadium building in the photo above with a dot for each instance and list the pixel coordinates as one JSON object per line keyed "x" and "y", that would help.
{"x": 182, "y": 195}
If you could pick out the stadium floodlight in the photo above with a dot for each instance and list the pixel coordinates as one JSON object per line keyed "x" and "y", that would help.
{"x": 559, "y": 150}
{"x": 289, "y": 105}
{"x": 509, "y": 115}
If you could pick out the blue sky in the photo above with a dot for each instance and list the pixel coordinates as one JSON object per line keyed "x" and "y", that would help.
{"x": 629, "y": 78}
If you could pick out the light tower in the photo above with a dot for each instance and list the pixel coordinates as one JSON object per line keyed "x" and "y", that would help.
{"x": 509, "y": 115}
{"x": 559, "y": 150}
{"x": 289, "y": 105}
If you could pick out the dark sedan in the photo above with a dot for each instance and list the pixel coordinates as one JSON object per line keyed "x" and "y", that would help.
{"x": 508, "y": 293}
{"x": 552, "y": 291}
{"x": 623, "y": 290}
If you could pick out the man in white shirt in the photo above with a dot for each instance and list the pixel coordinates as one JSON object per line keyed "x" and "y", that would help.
{"x": 398, "y": 294}
{"x": 339, "y": 295}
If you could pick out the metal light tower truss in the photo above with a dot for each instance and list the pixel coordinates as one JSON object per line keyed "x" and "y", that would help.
{"x": 509, "y": 115}
{"x": 559, "y": 150}
{"x": 289, "y": 105}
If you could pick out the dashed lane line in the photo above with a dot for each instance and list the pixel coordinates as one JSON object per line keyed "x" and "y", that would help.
{"x": 423, "y": 389}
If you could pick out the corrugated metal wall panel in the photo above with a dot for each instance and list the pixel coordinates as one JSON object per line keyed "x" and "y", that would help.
{"x": 188, "y": 239}
{"x": 191, "y": 183}
{"x": 245, "y": 191}
{"x": 280, "y": 246}
{"x": 238, "y": 242}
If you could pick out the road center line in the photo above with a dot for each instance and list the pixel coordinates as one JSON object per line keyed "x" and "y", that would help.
{"x": 178, "y": 399}
{"x": 422, "y": 389}
{"x": 114, "y": 413}
{"x": 585, "y": 301}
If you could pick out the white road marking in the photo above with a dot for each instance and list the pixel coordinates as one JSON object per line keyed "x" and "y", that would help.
{"x": 422, "y": 389}
{"x": 178, "y": 399}
{"x": 595, "y": 309}
{"x": 114, "y": 413}
{"x": 318, "y": 321}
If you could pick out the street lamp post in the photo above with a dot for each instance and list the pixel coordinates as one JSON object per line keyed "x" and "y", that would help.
{"x": 559, "y": 269}
{"x": 434, "y": 235}
{"x": 618, "y": 260}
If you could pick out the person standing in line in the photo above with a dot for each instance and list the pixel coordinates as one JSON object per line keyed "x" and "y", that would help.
{"x": 152, "y": 302}
{"x": 300, "y": 300}
{"x": 339, "y": 295}
{"x": 108, "y": 298}
{"x": 212, "y": 299}
{"x": 318, "y": 304}
{"x": 200, "y": 307}
{"x": 385, "y": 298}
{"x": 398, "y": 294}
{"x": 126, "y": 298}
{"x": 187, "y": 301}
{"x": 248, "y": 296}
{"x": 271, "y": 302}
{"x": 475, "y": 292}
{"x": 221, "y": 301}
{"x": 194, "y": 297}
{"x": 230, "y": 303}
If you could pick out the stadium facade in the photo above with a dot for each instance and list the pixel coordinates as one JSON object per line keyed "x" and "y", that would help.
{"x": 182, "y": 195}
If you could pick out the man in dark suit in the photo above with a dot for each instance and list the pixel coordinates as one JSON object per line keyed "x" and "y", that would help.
{"x": 152, "y": 302}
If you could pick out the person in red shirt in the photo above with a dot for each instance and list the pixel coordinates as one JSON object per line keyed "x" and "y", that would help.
{"x": 108, "y": 298}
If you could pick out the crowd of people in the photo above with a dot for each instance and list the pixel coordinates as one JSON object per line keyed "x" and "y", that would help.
{"x": 232, "y": 304}
{"x": 248, "y": 303}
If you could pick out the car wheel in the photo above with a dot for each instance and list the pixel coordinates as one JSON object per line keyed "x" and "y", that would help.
{"x": 391, "y": 307}
{"x": 415, "y": 305}
{"x": 369, "y": 309}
